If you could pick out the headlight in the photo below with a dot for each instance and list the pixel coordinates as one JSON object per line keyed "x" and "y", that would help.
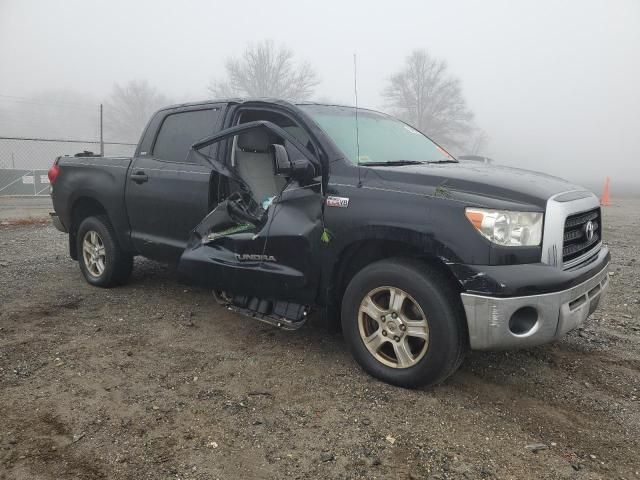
{"x": 512, "y": 229}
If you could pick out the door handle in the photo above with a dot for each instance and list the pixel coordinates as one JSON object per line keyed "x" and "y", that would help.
{"x": 139, "y": 177}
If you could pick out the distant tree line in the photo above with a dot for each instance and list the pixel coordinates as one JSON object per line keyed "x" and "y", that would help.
{"x": 422, "y": 92}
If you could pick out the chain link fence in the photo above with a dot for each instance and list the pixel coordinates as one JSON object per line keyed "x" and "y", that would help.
{"x": 24, "y": 162}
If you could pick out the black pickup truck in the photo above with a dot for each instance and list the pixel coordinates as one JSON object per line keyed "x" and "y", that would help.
{"x": 285, "y": 209}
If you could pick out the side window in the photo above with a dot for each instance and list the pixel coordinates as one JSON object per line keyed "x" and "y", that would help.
{"x": 181, "y": 130}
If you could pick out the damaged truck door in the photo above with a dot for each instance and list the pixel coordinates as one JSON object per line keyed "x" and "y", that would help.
{"x": 255, "y": 249}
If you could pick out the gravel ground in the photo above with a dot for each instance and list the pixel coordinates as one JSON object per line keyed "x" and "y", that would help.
{"x": 154, "y": 380}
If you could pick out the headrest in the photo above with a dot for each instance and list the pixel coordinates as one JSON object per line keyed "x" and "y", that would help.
{"x": 255, "y": 140}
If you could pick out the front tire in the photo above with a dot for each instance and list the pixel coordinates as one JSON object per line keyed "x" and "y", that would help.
{"x": 102, "y": 261}
{"x": 404, "y": 323}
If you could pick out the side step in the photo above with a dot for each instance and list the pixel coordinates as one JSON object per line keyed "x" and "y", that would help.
{"x": 281, "y": 314}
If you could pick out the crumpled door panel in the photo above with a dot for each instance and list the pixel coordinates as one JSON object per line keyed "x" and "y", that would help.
{"x": 243, "y": 249}
{"x": 213, "y": 244}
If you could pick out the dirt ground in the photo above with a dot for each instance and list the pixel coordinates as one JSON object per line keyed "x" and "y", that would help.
{"x": 154, "y": 381}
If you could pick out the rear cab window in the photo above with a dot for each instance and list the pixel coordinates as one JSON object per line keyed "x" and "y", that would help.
{"x": 181, "y": 130}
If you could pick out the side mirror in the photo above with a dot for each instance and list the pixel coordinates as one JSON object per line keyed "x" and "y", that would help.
{"x": 301, "y": 168}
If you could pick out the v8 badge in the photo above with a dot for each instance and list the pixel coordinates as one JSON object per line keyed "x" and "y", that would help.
{"x": 340, "y": 202}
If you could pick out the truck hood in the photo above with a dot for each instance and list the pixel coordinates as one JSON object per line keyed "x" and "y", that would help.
{"x": 490, "y": 185}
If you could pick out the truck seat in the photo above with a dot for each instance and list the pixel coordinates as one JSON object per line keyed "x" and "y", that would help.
{"x": 254, "y": 164}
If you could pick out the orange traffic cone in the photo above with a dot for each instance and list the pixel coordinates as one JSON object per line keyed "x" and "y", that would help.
{"x": 604, "y": 199}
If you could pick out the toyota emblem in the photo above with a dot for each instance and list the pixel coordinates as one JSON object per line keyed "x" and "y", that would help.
{"x": 589, "y": 230}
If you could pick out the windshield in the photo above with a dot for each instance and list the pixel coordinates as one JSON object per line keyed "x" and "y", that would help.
{"x": 382, "y": 138}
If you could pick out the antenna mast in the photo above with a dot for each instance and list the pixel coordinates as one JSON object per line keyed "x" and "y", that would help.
{"x": 355, "y": 91}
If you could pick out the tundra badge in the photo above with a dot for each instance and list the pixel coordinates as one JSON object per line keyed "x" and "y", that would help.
{"x": 255, "y": 257}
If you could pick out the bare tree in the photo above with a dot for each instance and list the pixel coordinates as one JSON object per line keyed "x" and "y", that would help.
{"x": 129, "y": 107}
{"x": 425, "y": 95}
{"x": 266, "y": 70}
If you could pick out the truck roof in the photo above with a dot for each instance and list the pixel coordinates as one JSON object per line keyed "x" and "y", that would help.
{"x": 277, "y": 101}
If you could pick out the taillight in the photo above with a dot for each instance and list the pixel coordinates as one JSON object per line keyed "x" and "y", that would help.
{"x": 53, "y": 172}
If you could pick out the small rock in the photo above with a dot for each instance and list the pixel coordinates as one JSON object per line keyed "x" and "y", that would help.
{"x": 326, "y": 456}
{"x": 4, "y": 264}
{"x": 576, "y": 466}
{"x": 155, "y": 407}
{"x": 390, "y": 439}
{"x": 536, "y": 447}
{"x": 366, "y": 421}
{"x": 592, "y": 457}
{"x": 212, "y": 444}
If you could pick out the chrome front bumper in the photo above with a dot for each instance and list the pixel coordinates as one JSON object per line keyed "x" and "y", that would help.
{"x": 488, "y": 318}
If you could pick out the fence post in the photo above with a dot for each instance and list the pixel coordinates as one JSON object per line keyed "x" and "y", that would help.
{"x": 101, "y": 139}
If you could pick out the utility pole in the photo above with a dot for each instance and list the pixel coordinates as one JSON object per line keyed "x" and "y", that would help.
{"x": 101, "y": 138}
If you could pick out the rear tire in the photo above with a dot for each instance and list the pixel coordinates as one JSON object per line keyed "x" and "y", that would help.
{"x": 404, "y": 323}
{"x": 102, "y": 261}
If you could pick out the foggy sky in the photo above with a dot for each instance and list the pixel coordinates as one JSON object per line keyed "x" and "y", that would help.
{"x": 556, "y": 85}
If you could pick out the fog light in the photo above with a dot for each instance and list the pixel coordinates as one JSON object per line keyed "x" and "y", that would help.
{"x": 523, "y": 320}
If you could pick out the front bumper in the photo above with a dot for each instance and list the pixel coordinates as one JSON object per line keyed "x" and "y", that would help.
{"x": 492, "y": 323}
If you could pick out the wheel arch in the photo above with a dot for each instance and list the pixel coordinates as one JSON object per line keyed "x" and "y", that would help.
{"x": 356, "y": 255}
{"x": 82, "y": 208}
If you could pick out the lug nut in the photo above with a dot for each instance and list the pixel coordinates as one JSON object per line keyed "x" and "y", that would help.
{"x": 403, "y": 327}
{"x": 383, "y": 319}
{"x": 384, "y": 333}
{"x": 396, "y": 338}
{"x": 394, "y": 315}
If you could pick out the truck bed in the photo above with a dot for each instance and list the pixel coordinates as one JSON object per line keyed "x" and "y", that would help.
{"x": 100, "y": 179}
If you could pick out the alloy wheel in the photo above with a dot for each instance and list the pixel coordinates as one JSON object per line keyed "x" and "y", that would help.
{"x": 393, "y": 327}
{"x": 93, "y": 253}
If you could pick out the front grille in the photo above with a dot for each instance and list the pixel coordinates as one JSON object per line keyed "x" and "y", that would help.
{"x": 576, "y": 241}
